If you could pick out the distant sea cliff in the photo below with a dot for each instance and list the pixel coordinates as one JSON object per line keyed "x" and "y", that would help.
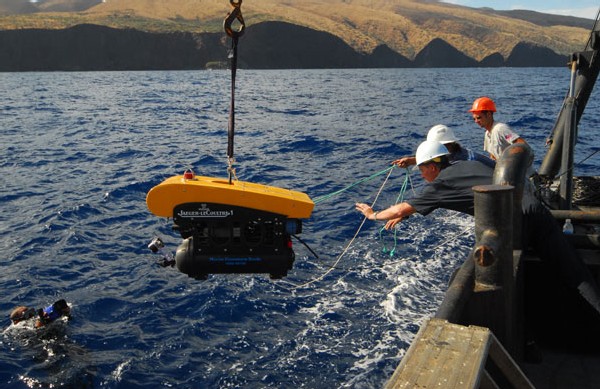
{"x": 267, "y": 45}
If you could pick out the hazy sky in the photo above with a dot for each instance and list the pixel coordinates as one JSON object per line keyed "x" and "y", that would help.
{"x": 581, "y": 8}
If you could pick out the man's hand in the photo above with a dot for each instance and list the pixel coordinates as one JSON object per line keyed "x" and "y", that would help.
{"x": 405, "y": 161}
{"x": 392, "y": 223}
{"x": 364, "y": 209}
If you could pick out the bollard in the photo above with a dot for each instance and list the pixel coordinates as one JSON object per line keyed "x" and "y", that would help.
{"x": 493, "y": 258}
{"x": 493, "y": 234}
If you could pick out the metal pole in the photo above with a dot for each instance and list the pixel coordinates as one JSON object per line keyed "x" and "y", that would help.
{"x": 569, "y": 140}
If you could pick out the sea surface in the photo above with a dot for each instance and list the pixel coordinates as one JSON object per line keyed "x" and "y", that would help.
{"x": 79, "y": 152}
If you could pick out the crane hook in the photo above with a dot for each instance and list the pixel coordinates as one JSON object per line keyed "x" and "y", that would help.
{"x": 235, "y": 14}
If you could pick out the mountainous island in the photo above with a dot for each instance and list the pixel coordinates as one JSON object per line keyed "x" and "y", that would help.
{"x": 49, "y": 35}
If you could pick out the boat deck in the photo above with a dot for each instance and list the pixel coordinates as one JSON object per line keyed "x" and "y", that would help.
{"x": 565, "y": 328}
{"x": 564, "y": 369}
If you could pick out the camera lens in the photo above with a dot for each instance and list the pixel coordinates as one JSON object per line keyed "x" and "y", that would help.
{"x": 156, "y": 245}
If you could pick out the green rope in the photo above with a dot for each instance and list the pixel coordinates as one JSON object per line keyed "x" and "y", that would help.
{"x": 326, "y": 197}
{"x": 399, "y": 199}
{"x": 339, "y": 258}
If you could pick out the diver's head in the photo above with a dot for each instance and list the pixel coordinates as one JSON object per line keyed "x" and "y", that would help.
{"x": 62, "y": 307}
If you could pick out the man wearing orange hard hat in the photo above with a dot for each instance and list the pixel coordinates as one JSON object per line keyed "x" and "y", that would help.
{"x": 498, "y": 136}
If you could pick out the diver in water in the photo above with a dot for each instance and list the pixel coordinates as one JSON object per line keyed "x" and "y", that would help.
{"x": 45, "y": 316}
{"x": 21, "y": 313}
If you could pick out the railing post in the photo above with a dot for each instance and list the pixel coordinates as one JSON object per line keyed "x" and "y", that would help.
{"x": 493, "y": 258}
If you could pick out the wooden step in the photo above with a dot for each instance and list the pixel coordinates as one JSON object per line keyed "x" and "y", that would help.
{"x": 446, "y": 355}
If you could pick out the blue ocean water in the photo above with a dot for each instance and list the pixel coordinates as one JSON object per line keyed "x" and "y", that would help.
{"x": 79, "y": 152}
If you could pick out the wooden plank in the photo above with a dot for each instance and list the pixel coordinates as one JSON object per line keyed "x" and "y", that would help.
{"x": 446, "y": 355}
{"x": 443, "y": 355}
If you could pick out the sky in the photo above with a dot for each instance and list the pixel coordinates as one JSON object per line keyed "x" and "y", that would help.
{"x": 580, "y": 8}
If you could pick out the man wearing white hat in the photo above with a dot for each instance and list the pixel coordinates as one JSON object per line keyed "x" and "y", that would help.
{"x": 445, "y": 136}
{"x": 450, "y": 185}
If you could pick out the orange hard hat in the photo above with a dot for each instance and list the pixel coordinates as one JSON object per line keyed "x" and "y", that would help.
{"x": 483, "y": 104}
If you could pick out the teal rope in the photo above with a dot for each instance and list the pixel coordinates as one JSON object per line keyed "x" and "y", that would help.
{"x": 399, "y": 199}
{"x": 326, "y": 197}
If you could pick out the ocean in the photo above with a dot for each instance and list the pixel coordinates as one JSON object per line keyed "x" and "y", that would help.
{"x": 79, "y": 152}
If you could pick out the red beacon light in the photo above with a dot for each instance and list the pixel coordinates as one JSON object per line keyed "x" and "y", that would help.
{"x": 188, "y": 174}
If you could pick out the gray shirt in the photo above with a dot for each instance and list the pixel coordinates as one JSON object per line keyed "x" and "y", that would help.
{"x": 452, "y": 189}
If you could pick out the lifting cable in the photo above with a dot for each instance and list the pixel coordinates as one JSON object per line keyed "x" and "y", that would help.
{"x": 235, "y": 14}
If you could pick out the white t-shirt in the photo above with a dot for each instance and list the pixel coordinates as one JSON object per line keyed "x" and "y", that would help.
{"x": 498, "y": 139}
